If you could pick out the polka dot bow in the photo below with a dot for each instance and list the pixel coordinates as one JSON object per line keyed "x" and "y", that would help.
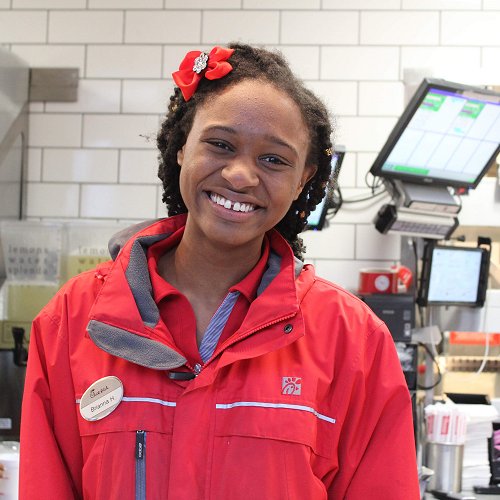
{"x": 197, "y": 65}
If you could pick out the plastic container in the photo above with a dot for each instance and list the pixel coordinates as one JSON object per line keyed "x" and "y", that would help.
{"x": 9, "y": 458}
{"x": 86, "y": 245}
{"x": 32, "y": 251}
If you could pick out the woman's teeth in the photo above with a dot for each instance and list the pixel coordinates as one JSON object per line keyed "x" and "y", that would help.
{"x": 236, "y": 206}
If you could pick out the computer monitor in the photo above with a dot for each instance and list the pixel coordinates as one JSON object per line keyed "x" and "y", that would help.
{"x": 454, "y": 276}
{"x": 448, "y": 135}
{"x": 317, "y": 217}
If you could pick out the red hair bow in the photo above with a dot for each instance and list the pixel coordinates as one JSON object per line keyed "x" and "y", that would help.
{"x": 197, "y": 64}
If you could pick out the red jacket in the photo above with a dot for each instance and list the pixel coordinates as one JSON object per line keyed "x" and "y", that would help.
{"x": 306, "y": 400}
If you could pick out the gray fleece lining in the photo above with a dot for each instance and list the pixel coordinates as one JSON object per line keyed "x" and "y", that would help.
{"x": 134, "y": 348}
{"x": 139, "y": 280}
{"x": 273, "y": 268}
{"x": 118, "y": 240}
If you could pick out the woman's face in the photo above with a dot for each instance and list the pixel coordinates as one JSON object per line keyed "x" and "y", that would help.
{"x": 243, "y": 164}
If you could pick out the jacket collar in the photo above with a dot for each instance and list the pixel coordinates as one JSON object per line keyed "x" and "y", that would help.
{"x": 125, "y": 321}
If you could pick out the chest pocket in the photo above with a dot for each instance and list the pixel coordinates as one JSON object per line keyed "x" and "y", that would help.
{"x": 286, "y": 448}
{"x": 122, "y": 450}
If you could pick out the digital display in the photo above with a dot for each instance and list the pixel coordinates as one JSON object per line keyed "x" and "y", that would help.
{"x": 454, "y": 275}
{"x": 317, "y": 217}
{"x": 448, "y": 135}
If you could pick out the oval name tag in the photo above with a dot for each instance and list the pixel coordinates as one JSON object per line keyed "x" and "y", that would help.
{"x": 101, "y": 398}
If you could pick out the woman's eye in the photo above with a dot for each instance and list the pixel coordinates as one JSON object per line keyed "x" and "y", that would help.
{"x": 220, "y": 145}
{"x": 275, "y": 160}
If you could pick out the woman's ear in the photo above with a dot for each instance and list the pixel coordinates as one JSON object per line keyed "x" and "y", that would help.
{"x": 307, "y": 175}
{"x": 180, "y": 156}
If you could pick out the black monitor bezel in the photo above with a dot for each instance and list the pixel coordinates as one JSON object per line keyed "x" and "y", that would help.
{"x": 411, "y": 108}
{"x": 340, "y": 153}
{"x": 482, "y": 284}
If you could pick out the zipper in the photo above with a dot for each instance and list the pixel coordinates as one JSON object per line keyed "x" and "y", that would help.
{"x": 140, "y": 465}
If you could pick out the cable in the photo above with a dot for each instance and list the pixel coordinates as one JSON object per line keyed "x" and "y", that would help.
{"x": 485, "y": 355}
{"x": 439, "y": 374}
{"x": 336, "y": 201}
{"x": 374, "y": 195}
{"x": 376, "y": 182}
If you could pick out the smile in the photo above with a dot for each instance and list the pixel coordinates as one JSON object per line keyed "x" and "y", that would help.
{"x": 232, "y": 205}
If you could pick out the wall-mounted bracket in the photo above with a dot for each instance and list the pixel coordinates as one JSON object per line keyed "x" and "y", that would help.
{"x": 53, "y": 84}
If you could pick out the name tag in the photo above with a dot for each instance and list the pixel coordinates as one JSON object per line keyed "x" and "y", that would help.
{"x": 101, "y": 398}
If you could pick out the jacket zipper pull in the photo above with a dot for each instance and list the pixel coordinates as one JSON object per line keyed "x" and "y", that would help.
{"x": 139, "y": 445}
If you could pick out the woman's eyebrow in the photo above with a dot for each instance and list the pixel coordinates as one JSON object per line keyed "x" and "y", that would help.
{"x": 223, "y": 128}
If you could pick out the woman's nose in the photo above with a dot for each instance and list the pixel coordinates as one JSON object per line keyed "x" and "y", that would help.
{"x": 241, "y": 173}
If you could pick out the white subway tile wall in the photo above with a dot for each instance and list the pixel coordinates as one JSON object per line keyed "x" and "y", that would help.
{"x": 362, "y": 4}
{"x": 319, "y": 27}
{"x": 399, "y": 28}
{"x": 52, "y": 56}
{"x": 23, "y": 27}
{"x": 381, "y": 98}
{"x": 359, "y": 63}
{"x": 360, "y": 133}
{"x": 491, "y": 4}
{"x": 163, "y": 26}
{"x": 370, "y": 244}
{"x": 80, "y": 165}
{"x": 470, "y": 28}
{"x": 282, "y": 4}
{"x": 304, "y": 60}
{"x": 124, "y": 61}
{"x": 202, "y": 4}
{"x": 347, "y": 177}
{"x": 34, "y": 173}
{"x": 52, "y": 200}
{"x": 85, "y": 27}
{"x": 340, "y": 97}
{"x": 119, "y": 201}
{"x": 55, "y": 130}
{"x": 138, "y": 166}
{"x": 125, "y": 4}
{"x": 146, "y": 96}
{"x": 334, "y": 242}
{"x": 49, "y": 4}
{"x": 445, "y": 62}
{"x": 119, "y": 131}
{"x": 94, "y": 96}
{"x": 251, "y": 26}
{"x": 442, "y": 4}
{"x": 96, "y": 157}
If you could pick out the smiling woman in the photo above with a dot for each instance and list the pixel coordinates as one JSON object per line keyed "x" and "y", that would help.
{"x": 222, "y": 366}
{"x": 247, "y": 146}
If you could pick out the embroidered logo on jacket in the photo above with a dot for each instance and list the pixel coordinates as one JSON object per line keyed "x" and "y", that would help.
{"x": 291, "y": 386}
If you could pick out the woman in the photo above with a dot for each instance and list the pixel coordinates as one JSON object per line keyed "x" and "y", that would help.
{"x": 206, "y": 361}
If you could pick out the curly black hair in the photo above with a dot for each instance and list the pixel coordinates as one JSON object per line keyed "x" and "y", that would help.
{"x": 251, "y": 63}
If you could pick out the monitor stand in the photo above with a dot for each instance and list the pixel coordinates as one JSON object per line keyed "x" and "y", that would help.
{"x": 428, "y": 198}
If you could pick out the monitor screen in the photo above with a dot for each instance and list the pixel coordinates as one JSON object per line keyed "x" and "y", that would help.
{"x": 454, "y": 276}
{"x": 449, "y": 134}
{"x": 317, "y": 217}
